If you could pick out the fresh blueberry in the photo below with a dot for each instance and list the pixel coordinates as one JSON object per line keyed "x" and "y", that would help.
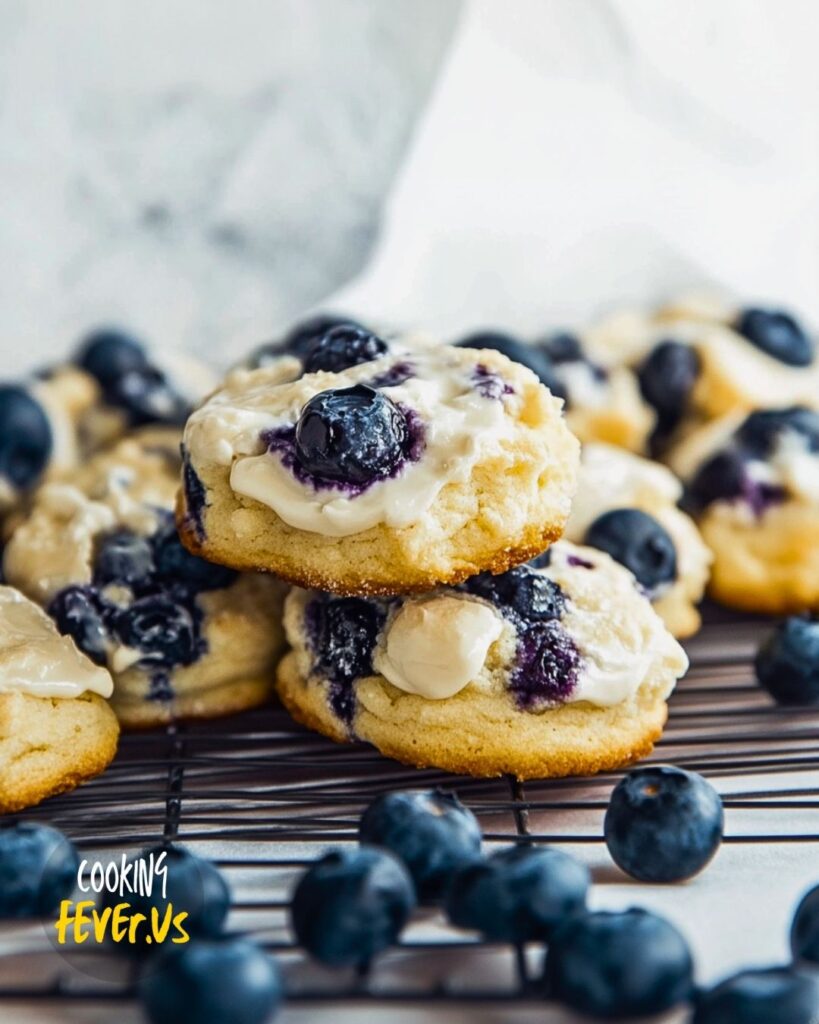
{"x": 175, "y": 564}
{"x": 145, "y": 396}
{"x": 563, "y": 347}
{"x": 640, "y": 543}
{"x": 778, "y": 334}
{"x": 352, "y": 435}
{"x": 78, "y": 613}
{"x": 125, "y": 558}
{"x": 342, "y": 347}
{"x": 343, "y": 632}
{"x": 519, "y": 352}
{"x": 771, "y": 995}
{"x": 109, "y": 353}
{"x": 351, "y": 904}
{"x": 526, "y": 593}
{"x": 165, "y": 631}
{"x": 720, "y": 478}
{"x": 192, "y": 884}
{"x": 805, "y": 928}
{"x": 548, "y": 666}
{"x": 627, "y": 964}
{"x": 541, "y": 561}
{"x": 38, "y": 869}
{"x": 787, "y": 663}
{"x": 663, "y": 824}
{"x": 300, "y": 339}
{"x": 211, "y": 981}
{"x": 519, "y": 894}
{"x": 26, "y": 440}
{"x": 761, "y": 431}
{"x": 429, "y": 830}
{"x": 667, "y": 377}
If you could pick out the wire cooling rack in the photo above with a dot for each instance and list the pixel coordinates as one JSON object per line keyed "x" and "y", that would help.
{"x": 263, "y": 797}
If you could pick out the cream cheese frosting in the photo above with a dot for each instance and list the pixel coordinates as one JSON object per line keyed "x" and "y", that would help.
{"x": 35, "y": 659}
{"x": 460, "y": 426}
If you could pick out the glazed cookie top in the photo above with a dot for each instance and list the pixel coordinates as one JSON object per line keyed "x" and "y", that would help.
{"x": 338, "y": 453}
{"x": 35, "y": 659}
{"x": 572, "y": 627}
{"x": 752, "y": 463}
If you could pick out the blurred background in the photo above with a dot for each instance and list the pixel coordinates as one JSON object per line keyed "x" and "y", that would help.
{"x": 204, "y": 171}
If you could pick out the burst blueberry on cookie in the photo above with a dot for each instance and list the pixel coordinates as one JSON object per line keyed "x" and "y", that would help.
{"x": 753, "y": 485}
{"x": 181, "y": 637}
{"x": 535, "y": 672}
{"x": 56, "y": 727}
{"x": 627, "y": 506}
{"x": 393, "y": 474}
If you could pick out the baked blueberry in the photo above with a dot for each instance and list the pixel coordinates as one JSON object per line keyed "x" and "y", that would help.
{"x": 192, "y": 884}
{"x": 175, "y": 564}
{"x": 211, "y": 981}
{"x": 541, "y": 561}
{"x": 663, "y": 824}
{"x": 519, "y": 352}
{"x": 342, "y": 347}
{"x": 79, "y": 613}
{"x": 778, "y": 334}
{"x": 787, "y": 663}
{"x": 631, "y": 963}
{"x": 38, "y": 869}
{"x": 522, "y": 591}
{"x": 768, "y": 995}
{"x": 761, "y": 431}
{"x": 351, "y": 435}
{"x": 163, "y": 630}
{"x": 805, "y": 928}
{"x": 519, "y": 894}
{"x": 720, "y": 478}
{"x": 639, "y": 542}
{"x": 429, "y": 830}
{"x": 299, "y": 339}
{"x": 563, "y": 347}
{"x": 548, "y": 664}
{"x": 125, "y": 558}
{"x": 145, "y": 396}
{"x": 351, "y": 904}
{"x": 109, "y": 353}
{"x": 667, "y": 377}
{"x": 26, "y": 440}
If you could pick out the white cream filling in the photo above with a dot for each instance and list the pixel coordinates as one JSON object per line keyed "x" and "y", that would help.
{"x": 35, "y": 659}
{"x": 584, "y": 387}
{"x": 460, "y": 427}
{"x": 436, "y": 646}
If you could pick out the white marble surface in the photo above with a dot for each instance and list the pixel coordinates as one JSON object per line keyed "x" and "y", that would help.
{"x": 200, "y": 170}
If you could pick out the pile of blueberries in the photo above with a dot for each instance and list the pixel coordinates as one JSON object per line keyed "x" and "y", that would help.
{"x": 662, "y": 825}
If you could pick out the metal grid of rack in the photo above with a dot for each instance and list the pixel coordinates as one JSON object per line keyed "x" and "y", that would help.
{"x": 264, "y": 797}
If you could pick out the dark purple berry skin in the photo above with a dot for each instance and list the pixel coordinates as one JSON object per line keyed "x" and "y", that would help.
{"x": 351, "y": 435}
{"x": 342, "y": 347}
{"x": 787, "y": 664}
{"x": 762, "y": 429}
{"x": 431, "y": 832}
{"x": 38, "y": 869}
{"x": 768, "y": 995}
{"x": 519, "y": 894}
{"x": 667, "y": 378}
{"x": 164, "y": 630}
{"x": 175, "y": 565}
{"x": 351, "y": 905}
{"x": 547, "y": 669}
{"x": 721, "y": 478}
{"x": 663, "y": 824}
{"x": 639, "y": 542}
{"x": 26, "y": 439}
{"x": 618, "y": 965}
{"x": 195, "y": 498}
{"x": 299, "y": 340}
{"x": 519, "y": 352}
{"x": 805, "y": 928}
{"x": 123, "y": 558}
{"x": 521, "y": 592}
{"x": 342, "y": 632}
{"x": 79, "y": 613}
{"x": 778, "y": 334}
{"x": 563, "y": 347}
{"x": 108, "y": 353}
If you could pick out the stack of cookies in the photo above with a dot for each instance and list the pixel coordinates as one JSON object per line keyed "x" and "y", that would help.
{"x": 415, "y": 495}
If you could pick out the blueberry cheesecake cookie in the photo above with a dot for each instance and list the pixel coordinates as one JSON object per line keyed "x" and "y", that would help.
{"x": 752, "y": 483}
{"x": 392, "y": 475}
{"x": 56, "y": 727}
{"x": 627, "y": 506}
{"x": 551, "y": 669}
{"x": 699, "y": 358}
{"x": 181, "y": 637}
